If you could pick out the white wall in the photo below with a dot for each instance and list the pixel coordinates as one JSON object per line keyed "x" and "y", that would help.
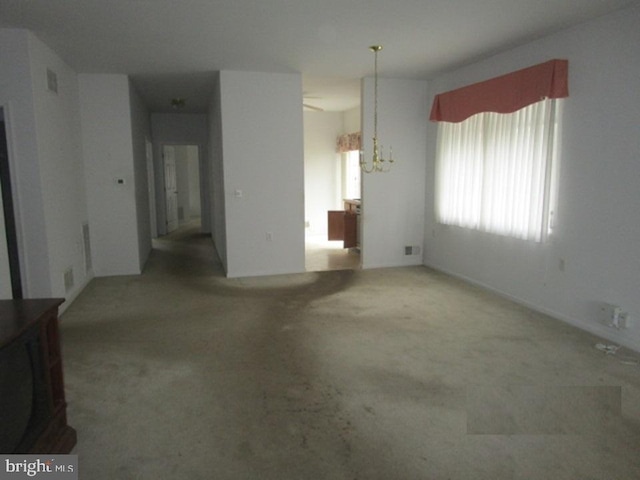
{"x": 181, "y": 129}
{"x": 322, "y": 168}
{"x": 16, "y": 97}
{"x": 352, "y": 120}
{"x": 59, "y": 143}
{"x": 597, "y": 234}
{"x": 393, "y": 203}
{"x": 47, "y": 171}
{"x": 140, "y": 135}
{"x": 262, "y": 142}
{"x": 109, "y": 156}
{"x": 53, "y": 200}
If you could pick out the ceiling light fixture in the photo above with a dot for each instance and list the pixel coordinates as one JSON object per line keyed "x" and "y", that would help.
{"x": 378, "y": 160}
{"x": 178, "y": 103}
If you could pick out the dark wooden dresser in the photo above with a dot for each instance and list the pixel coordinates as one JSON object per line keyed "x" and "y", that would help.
{"x": 33, "y": 410}
{"x": 343, "y": 224}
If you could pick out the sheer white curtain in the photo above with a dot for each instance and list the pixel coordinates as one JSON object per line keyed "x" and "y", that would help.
{"x": 494, "y": 171}
{"x": 351, "y": 175}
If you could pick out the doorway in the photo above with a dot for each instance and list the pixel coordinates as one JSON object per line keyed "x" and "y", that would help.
{"x": 10, "y": 277}
{"x": 331, "y": 185}
{"x": 183, "y": 194}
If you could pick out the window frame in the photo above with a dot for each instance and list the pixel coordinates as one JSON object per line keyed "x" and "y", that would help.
{"x": 477, "y": 216}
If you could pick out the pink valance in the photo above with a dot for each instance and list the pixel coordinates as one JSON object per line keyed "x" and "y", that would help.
{"x": 505, "y": 94}
{"x": 349, "y": 142}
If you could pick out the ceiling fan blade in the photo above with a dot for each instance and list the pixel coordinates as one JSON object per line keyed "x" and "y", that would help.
{"x": 312, "y": 107}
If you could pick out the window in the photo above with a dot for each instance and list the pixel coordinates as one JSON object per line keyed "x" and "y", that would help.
{"x": 497, "y": 139}
{"x": 494, "y": 171}
{"x": 349, "y": 146}
{"x": 351, "y": 175}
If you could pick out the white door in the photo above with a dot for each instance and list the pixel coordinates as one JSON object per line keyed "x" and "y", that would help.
{"x": 151, "y": 186}
{"x": 170, "y": 187}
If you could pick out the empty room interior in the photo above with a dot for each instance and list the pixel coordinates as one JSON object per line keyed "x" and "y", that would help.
{"x": 344, "y": 240}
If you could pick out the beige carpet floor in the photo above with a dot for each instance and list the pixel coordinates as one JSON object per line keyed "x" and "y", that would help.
{"x": 399, "y": 373}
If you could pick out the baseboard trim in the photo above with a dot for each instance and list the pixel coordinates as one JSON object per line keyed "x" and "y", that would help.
{"x": 70, "y": 298}
{"x": 594, "y": 329}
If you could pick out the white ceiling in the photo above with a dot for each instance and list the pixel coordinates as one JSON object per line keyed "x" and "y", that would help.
{"x": 172, "y": 47}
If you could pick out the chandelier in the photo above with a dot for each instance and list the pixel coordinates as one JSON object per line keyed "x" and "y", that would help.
{"x": 378, "y": 163}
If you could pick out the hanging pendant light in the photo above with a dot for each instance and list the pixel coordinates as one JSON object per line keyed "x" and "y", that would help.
{"x": 378, "y": 162}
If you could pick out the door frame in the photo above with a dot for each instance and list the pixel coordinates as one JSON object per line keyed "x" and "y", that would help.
{"x": 165, "y": 149}
{"x": 11, "y": 225}
{"x": 161, "y": 200}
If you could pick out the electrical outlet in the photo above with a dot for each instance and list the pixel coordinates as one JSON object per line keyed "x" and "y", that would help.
{"x": 624, "y": 320}
{"x": 613, "y": 316}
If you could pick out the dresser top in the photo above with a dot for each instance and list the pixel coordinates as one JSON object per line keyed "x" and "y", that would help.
{"x": 16, "y": 316}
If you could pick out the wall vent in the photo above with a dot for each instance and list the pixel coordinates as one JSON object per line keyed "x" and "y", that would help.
{"x": 86, "y": 243}
{"x": 412, "y": 250}
{"x": 52, "y": 81}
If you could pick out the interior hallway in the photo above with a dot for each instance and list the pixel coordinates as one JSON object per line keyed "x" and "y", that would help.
{"x": 399, "y": 373}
